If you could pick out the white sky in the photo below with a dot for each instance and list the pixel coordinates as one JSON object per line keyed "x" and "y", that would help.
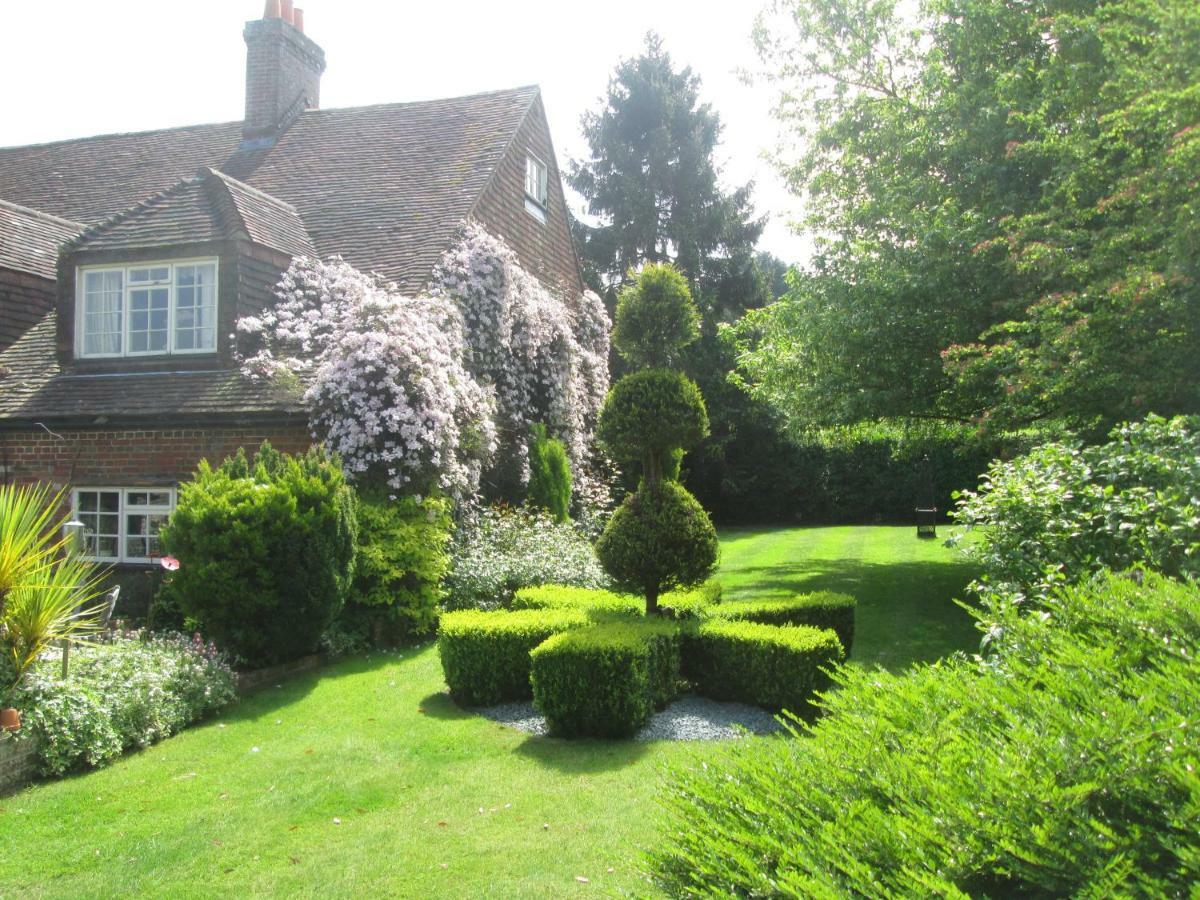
{"x": 72, "y": 68}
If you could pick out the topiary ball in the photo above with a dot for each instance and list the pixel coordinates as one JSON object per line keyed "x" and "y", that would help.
{"x": 656, "y": 318}
{"x": 655, "y": 410}
{"x": 659, "y": 539}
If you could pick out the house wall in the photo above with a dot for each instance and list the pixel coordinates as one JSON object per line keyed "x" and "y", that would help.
{"x": 132, "y": 457}
{"x": 545, "y": 250}
{"x": 24, "y": 299}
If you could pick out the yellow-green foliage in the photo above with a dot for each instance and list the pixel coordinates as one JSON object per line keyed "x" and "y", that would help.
{"x": 485, "y": 655}
{"x": 605, "y": 681}
{"x": 822, "y": 609}
{"x": 774, "y": 666}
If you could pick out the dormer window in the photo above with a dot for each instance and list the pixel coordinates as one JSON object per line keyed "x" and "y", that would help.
{"x": 536, "y": 188}
{"x": 147, "y": 309}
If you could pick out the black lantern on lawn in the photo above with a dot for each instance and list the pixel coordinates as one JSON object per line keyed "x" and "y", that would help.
{"x": 926, "y": 503}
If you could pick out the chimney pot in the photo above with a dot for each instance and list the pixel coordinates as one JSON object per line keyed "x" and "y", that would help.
{"x": 272, "y": 10}
{"x": 298, "y": 18}
{"x": 285, "y": 10}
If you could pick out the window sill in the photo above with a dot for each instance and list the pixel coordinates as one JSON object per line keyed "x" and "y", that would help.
{"x": 535, "y": 209}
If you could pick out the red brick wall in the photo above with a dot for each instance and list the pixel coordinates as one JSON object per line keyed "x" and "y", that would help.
{"x": 132, "y": 457}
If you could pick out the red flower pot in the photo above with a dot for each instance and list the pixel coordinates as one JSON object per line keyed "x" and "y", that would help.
{"x": 10, "y": 719}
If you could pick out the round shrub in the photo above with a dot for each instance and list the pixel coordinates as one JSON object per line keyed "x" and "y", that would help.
{"x": 266, "y": 549}
{"x": 776, "y": 667}
{"x": 822, "y": 609}
{"x": 654, "y": 411}
{"x": 485, "y": 655}
{"x": 659, "y": 539}
{"x": 605, "y": 681}
{"x": 403, "y": 554}
{"x": 656, "y": 318}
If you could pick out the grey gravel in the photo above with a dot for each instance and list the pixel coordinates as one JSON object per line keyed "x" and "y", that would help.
{"x": 690, "y": 718}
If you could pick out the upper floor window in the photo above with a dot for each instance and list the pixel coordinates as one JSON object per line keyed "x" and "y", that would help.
{"x": 535, "y": 181}
{"x": 147, "y": 308}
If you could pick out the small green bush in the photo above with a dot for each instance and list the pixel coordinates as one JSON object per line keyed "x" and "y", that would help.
{"x": 606, "y": 680}
{"x": 658, "y": 540}
{"x": 402, "y": 557}
{"x": 549, "y": 474}
{"x": 485, "y": 655}
{"x": 685, "y": 604}
{"x": 266, "y": 548}
{"x": 776, "y": 667}
{"x": 1064, "y": 765}
{"x": 823, "y": 609}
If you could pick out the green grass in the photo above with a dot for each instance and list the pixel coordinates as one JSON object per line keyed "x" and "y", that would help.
{"x": 904, "y": 584}
{"x": 431, "y": 801}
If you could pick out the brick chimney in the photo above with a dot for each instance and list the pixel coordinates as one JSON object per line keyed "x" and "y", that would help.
{"x": 283, "y": 70}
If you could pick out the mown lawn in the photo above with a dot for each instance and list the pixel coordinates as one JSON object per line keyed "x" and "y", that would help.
{"x": 368, "y": 780}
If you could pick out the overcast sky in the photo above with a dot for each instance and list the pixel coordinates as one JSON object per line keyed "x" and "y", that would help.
{"x": 72, "y": 68}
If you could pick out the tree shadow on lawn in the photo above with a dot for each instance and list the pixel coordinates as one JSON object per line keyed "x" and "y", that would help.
{"x": 582, "y": 756}
{"x": 440, "y": 705}
{"x": 906, "y": 610}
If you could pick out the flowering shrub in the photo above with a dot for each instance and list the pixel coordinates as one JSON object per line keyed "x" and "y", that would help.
{"x": 500, "y": 549}
{"x": 420, "y": 393}
{"x": 547, "y": 360}
{"x": 127, "y": 694}
{"x": 1062, "y": 511}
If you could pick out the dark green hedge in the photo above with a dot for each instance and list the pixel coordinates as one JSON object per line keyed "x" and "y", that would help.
{"x": 860, "y": 475}
{"x": 605, "y": 681}
{"x": 485, "y": 655}
{"x": 773, "y": 666}
{"x": 822, "y": 609}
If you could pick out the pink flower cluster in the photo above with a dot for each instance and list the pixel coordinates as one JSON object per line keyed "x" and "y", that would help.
{"x": 428, "y": 392}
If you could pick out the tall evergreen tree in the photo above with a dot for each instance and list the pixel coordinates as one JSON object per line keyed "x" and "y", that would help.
{"x": 653, "y": 183}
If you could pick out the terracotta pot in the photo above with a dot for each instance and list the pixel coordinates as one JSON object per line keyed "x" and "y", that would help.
{"x": 10, "y": 719}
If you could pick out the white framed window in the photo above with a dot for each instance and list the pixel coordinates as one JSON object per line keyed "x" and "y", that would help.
{"x": 536, "y": 183}
{"x": 147, "y": 309}
{"x": 122, "y": 524}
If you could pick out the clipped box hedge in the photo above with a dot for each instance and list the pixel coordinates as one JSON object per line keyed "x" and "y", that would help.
{"x": 485, "y": 655}
{"x": 773, "y": 666}
{"x": 680, "y": 604}
{"x": 591, "y": 600}
{"x": 605, "y": 681}
{"x": 823, "y": 609}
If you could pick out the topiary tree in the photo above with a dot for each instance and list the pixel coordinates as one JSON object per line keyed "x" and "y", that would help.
{"x": 659, "y": 539}
{"x": 656, "y": 319}
{"x": 266, "y": 548}
{"x": 649, "y": 415}
{"x": 549, "y": 474}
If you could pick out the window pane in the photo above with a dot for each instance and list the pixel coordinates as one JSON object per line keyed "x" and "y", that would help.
{"x": 195, "y": 307}
{"x": 110, "y": 501}
{"x": 102, "y": 312}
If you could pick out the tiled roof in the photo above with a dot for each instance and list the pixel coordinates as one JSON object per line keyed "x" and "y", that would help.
{"x": 206, "y": 207}
{"x": 383, "y": 186}
{"x": 29, "y": 240}
{"x": 33, "y": 387}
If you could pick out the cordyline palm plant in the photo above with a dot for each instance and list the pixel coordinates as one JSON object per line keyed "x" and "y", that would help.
{"x": 46, "y": 595}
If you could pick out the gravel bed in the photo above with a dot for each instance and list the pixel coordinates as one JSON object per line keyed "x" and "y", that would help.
{"x": 690, "y": 718}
